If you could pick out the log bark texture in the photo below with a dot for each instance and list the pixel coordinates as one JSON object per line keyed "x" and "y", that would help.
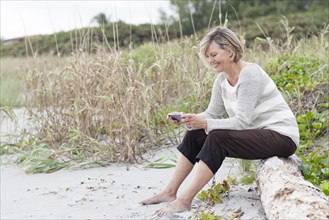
{"x": 285, "y": 194}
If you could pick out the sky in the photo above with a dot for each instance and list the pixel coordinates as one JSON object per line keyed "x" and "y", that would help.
{"x": 25, "y": 18}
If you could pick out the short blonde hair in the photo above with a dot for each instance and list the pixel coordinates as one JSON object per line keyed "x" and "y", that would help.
{"x": 225, "y": 38}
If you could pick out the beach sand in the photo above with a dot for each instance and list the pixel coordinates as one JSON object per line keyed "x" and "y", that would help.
{"x": 111, "y": 192}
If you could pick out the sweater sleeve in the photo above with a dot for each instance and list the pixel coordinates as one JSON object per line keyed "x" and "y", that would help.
{"x": 249, "y": 90}
{"x": 216, "y": 108}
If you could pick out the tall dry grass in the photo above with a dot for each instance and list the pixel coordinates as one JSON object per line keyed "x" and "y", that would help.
{"x": 13, "y": 72}
{"x": 112, "y": 107}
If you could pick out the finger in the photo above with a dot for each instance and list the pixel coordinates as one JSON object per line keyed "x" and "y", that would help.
{"x": 188, "y": 116}
{"x": 188, "y": 120}
{"x": 170, "y": 113}
{"x": 184, "y": 121}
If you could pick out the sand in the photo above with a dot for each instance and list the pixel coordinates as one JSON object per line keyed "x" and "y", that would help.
{"x": 111, "y": 192}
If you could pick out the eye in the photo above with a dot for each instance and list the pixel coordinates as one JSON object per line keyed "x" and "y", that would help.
{"x": 211, "y": 55}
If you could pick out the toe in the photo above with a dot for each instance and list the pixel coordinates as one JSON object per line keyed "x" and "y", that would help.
{"x": 160, "y": 212}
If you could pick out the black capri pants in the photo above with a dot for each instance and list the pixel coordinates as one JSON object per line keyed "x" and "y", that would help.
{"x": 244, "y": 144}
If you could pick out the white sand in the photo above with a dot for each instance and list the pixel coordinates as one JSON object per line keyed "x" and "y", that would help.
{"x": 111, "y": 192}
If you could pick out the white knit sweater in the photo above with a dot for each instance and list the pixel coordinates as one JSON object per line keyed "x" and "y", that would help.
{"x": 253, "y": 103}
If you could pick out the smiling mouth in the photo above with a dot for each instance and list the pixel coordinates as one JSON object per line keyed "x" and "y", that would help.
{"x": 215, "y": 65}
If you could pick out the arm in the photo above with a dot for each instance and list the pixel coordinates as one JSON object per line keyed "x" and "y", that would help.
{"x": 216, "y": 108}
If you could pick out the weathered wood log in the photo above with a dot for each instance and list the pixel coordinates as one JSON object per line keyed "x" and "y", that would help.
{"x": 285, "y": 194}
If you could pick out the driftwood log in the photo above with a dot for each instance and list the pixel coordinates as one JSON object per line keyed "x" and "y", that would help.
{"x": 285, "y": 194}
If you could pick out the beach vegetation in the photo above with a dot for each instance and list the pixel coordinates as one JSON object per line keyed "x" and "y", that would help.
{"x": 107, "y": 102}
{"x": 167, "y": 161}
{"x": 249, "y": 178}
{"x": 213, "y": 194}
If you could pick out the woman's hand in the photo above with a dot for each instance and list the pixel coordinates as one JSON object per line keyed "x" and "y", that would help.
{"x": 175, "y": 121}
{"x": 193, "y": 121}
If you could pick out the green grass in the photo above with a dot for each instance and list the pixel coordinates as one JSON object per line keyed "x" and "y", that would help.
{"x": 11, "y": 91}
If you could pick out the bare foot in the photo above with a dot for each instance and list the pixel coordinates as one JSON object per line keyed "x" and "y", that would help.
{"x": 175, "y": 207}
{"x": 159, "y": 198}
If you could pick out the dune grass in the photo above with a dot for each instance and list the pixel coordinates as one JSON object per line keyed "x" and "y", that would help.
{"x": 111, "y": 107}
{"x": 117, "y": 99}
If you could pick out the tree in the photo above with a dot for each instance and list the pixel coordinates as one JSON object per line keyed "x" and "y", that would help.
{"x": 101, "y": 19}
{"x": 194, "y": 15}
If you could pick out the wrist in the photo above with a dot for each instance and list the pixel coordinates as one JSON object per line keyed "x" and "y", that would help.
{"x": 205, "y": 124}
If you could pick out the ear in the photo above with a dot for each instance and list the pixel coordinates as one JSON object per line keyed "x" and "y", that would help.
{"x": 231, "y": 55}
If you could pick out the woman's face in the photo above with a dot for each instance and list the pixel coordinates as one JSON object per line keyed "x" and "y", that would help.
{"x": 217, "y": 57}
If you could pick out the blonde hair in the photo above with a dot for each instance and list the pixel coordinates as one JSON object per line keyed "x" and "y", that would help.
{"x": 226, "y": 39}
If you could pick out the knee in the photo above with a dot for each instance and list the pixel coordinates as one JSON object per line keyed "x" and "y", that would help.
{"x": 288, "y": 151}
{"x": 194, "y": 134}
{"x": 216, "y": 142}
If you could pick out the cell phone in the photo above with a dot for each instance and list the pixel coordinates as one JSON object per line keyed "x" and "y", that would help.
{"x": 176, "y": 117}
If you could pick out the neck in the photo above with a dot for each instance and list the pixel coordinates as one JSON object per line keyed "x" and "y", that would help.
{"x": 234, "y": 72}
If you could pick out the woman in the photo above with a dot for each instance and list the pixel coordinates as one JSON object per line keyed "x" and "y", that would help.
{"x": 246, "y": 118}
